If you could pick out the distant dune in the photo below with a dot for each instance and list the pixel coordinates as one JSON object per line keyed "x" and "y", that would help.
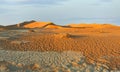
{"x": 38, "y": 24}
{"x": 2, "y": 26}
{"x": 53, "y": 26}
{"x": 30, "y": 24}
{"x": 93, "y": 25}
{"x": 19, "y": 25}
{"x": 35, "y": 24}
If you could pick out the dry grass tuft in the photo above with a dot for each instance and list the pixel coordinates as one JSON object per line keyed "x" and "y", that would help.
{"x": 35, "y": 66}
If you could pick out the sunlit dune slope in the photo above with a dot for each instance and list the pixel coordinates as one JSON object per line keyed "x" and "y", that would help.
{"x": 19, "y": 25}
{"x": 53, "y": 27}
{"x": 30, "y": 24}
{"x": 93, "y": 25}
{"x": 37, "y": 24}
{"x": 1, "y": 26}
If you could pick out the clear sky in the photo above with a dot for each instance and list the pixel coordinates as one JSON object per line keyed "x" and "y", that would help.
{"x": 60, "y": 11}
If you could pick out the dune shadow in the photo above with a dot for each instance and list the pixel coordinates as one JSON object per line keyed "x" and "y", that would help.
{"x": 78, "y": 36}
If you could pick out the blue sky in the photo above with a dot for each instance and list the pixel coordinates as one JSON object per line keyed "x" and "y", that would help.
{"x": 60, "y": 11}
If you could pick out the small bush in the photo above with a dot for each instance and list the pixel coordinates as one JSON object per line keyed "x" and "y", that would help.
{"x": 31, "y": 30}
{"x": 63, "y": 35}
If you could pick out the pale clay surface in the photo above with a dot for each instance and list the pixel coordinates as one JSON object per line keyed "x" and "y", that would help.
{"x": 67, "y": 61}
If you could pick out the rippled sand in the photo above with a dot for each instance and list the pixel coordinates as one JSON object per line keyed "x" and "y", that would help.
{"x": 69, "y": 61}
{"x": 56, "y": 48}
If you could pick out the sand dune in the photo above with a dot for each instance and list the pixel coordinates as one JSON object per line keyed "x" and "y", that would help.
{"x": 98, "y": 43}
{"x": 30, "y": 24}
{"x": 19, "y": 25}
{"x": 93, "y": 25}
{"x": 53, "y": 27}
{"x": 38, "y": 24}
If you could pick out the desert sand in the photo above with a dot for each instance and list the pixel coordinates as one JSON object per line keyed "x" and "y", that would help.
{"x": 47, "y": 47}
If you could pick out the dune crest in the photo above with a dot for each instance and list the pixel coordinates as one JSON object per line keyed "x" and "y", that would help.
{"x": 37, "y": 24}
{"x": 54, "y": 26}
{"x": 93, "y": 25}
{"x": 51, "y": 25}
{"x": 30, "y": 24}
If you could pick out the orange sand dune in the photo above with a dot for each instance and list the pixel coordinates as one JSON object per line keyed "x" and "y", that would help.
{"x": 19, "y": 25}
{"x": 30, "y": 24}
{"x": 93, "y": 25}
{"x": 53, "y": 26}
{"x": 37, "y": 24}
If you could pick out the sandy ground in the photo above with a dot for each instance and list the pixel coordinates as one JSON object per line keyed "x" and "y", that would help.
{"x": 30, "y": 61}
{"x": 61, "y": 48}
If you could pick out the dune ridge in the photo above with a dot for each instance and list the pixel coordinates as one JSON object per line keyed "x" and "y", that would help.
{"x": 93, "y": 25}
{"x": 41, "y": 24}
{"x": 38, "y": 24}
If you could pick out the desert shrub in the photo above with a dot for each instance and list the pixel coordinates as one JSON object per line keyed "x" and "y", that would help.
{"x": 35, "y": 66}
{"x": 63, "y": 35}
{"x": 31, "y": 30}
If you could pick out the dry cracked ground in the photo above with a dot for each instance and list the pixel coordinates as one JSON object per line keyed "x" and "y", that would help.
{"x": 60, "y": 50}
